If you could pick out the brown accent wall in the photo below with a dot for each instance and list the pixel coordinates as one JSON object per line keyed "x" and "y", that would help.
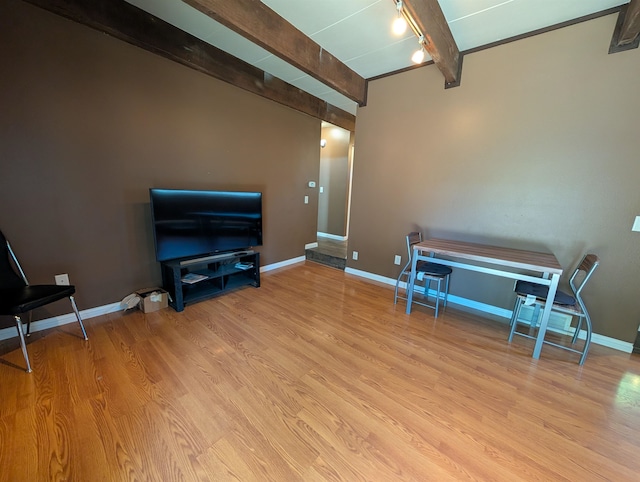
{"x": 537, "y": 149}
{"x": 90, "y": 123}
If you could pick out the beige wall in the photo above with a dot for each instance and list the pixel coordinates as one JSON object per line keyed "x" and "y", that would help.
{"x": 335, "y": 171}
{"x": 90, "y": 123}
{"x": 538, "y": 148}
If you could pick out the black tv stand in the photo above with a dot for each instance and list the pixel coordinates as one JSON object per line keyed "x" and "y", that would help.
{"x": 192, "y": 280}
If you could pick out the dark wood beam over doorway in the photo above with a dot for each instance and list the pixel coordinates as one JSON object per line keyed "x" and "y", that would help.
{"x": 137, "y": 27}
{"x": 255, "y": 21}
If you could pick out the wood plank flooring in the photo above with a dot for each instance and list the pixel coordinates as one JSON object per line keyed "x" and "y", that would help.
{"x": 314, "y": 376}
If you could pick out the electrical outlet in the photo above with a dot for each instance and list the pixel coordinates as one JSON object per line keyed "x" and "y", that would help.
{"x": 62, "y": 279}
{"x": 355, "y": 255}
{"x": 306, "y": 199}
{"x": 397, "y": 259}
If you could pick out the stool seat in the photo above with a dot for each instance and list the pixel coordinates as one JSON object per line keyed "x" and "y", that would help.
{"x": 427, "y": 273}
{"x": 434, "y": 269}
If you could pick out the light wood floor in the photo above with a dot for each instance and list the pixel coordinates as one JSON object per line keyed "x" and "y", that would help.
{"x": 314, "y": 376}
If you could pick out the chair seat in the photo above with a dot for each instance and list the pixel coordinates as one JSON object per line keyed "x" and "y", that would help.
{"x": 563, "y": 302}
{"x": 433, "y": 269}
{"x": 14, "y": 301}
{"x": 525, "y": 288}
{"x": 573, "y": 310}
{"x": 17, "y": 296}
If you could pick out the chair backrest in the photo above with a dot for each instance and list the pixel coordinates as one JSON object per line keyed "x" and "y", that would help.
{"x": 587, "y": 266}
{"x": 8, "y": 276}
{"x": 412, "y": 238}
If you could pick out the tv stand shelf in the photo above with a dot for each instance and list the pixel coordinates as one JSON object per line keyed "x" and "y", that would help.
{"x": 220, "y": 272}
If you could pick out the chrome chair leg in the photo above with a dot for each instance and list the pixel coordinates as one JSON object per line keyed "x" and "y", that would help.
{"x": 514, "y": 313}
{"x": 446, "y": 291}
{"x": 577, "y": 332}
{"x": 395, "y": 293}
{"x": 23, "y": 344}
{"x": 439, "y": 294}
{"x": 514, "y": 318}
{"x": 439, "y": 281}
{"x": 29, "y": 324}
{"x": 75, "y": 310}
{"x": 427, "y": 287}
{"x": 587, "y": 340}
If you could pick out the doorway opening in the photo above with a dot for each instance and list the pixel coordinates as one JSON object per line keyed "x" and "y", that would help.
{"x": 334, "y": 196}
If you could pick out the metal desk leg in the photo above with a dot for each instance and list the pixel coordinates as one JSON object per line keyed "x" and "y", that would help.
{"x": 412, "y": 281}
{"x": 544, "y": 321}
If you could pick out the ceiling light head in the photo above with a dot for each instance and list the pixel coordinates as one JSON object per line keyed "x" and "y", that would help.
{"x": 418, "y": 55}
{"x": 399, "y": 25}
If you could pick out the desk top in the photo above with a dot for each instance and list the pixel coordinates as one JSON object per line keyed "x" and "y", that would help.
{"x": 515, "y": 258}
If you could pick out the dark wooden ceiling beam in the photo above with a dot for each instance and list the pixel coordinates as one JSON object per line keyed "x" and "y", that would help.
{"x": 137, "y": 27}
{"x": 255, "y": 21}
{"x": 626, "y": 34}
{"x": 439, "y": 42}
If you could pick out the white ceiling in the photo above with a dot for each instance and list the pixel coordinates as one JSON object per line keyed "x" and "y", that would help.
{"x": 358, "y": 32}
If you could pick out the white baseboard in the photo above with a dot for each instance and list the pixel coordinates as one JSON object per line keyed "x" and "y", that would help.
{"x": 496, "y": 311}
{"x": 60, "y": 320}
{"x": 371, "y": 276}
{"x": 281, "y": 264}
{"x": 331, "y": 236}
{"x": 457, "y": 300}
{"x": 63, "y": 320}
{"x": 609, "y": 342}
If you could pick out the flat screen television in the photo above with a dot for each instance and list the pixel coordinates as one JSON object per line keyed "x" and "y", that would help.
{"x": 190, "y": 224}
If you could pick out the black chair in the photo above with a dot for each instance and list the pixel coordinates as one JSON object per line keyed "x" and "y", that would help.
{"x": 426, "y": 272}
{"x": 17, "y": 296}
{"x": 562, "y": 303}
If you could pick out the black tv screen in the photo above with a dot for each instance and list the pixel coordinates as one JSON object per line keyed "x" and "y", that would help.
{"x": 188, "y": 224}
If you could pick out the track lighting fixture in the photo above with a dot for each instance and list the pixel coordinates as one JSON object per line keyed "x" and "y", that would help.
{"x": 418, "y": 55}
{"x": 399, "y": 26}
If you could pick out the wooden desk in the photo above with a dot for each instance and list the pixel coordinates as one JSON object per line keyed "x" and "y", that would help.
{"x": 504, "y": 262}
